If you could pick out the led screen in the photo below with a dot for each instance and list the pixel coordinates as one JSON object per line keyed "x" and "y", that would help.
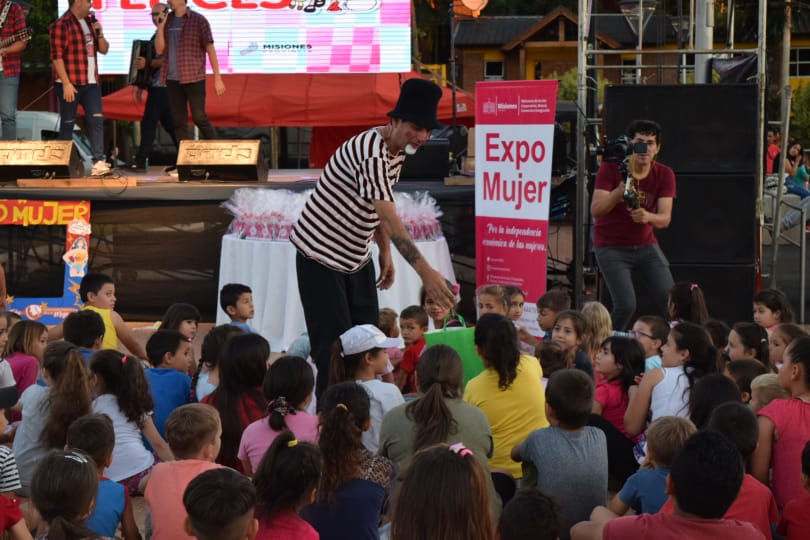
{"x": 281, "y": 36}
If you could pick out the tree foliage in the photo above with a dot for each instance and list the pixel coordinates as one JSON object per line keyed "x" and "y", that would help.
{"x": 800, "y": 114}
{"x": 567, "y": 89}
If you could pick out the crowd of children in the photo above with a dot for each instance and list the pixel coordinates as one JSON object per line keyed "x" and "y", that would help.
{"x": 681, "y": 427}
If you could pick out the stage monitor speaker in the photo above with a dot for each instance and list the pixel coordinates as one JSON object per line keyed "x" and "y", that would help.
{"x": 222, "y": 159}
{"x": 430, "y": 162}
{"x": 39, "y": 159}
{"x": 713, "y": 220}
{"x": 707, "y": 128}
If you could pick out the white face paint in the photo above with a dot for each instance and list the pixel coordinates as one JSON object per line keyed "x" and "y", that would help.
{"x": 410, "y": 149}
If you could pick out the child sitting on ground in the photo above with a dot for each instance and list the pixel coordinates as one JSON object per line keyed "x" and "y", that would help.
{"x": 387, "y": 323}
{"x": 85, "y": 329}
{"x": 193, "y": 431}
{"x": 651, "y": 331}
{"x": 63, "y": 490}
{"x": 236, "y": 301}
{"x": 359, "y": 355}
{"x": 780, "y": 338}
{"x": 26, "y": 344}
{"x": 568, "y": 333}
{"x": 220, "y": 505}
{"x": 772, "y": 308}
{"x": 413, "y": 322}
{"x": 742, "y": 372}
{"x": 570, "y": 458}
{"x": 551, "y": 304}
{"x": 97, "y": 292}
{"x": 492, "y": 299}
{"x": 93, "y": 434}
{"x": 288, "y": 389}
{"x": 796, "y": 516}
{"x": 440, "y": 316}
{"x": 703, "y": 483}
{"x": 286, "y": 480}
{"x": 765, "y": 389}
{"x": 646, "y": 490}
{"x": 530, "y": 515}
{"x": 755, "y": 503}
{"x": 169, "y": 352}
{"x": 206, "y": 376}
{"x": 686, "y": 303}
{"x": 551, "y": 359}
{"x": 185, "y": 318}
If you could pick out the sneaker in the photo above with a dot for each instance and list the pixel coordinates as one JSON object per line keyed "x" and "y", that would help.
{"x": 100, "y": 168}
{"x": 137, "y": 165}
{"x": 171, "y": 170}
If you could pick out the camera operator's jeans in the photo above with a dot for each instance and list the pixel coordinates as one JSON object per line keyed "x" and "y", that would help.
{"x": 617, "y": 265}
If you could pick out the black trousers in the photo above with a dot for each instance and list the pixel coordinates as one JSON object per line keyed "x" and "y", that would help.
{"x": 183, "y": 97}
{"x": 333, "y": 302}
{"x": 157, "y": 111}
{"x": 621, "y": 461}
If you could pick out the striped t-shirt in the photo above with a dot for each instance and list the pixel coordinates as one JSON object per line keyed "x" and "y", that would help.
{"x": 338, "y": 221}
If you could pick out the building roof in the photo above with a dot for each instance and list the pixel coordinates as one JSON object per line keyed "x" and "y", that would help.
{"x": 492, "y": 31}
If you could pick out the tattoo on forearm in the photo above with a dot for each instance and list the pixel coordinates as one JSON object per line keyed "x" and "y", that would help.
{"x": 407, "y": 249}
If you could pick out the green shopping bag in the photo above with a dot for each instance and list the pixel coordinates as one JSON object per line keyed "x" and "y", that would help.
{"x": 462, "y": 340}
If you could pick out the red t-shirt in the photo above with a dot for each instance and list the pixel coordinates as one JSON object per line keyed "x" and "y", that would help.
{"x": 409, "y": 362}
{"x": 755, "y": 504}
{"x": 286, "y": 526}
{"x": 671, "y": 527}
{"x": 613, "y": 400}
{"x": 10, "y": 513}
{"x": 795, "y": 522}
{"x": 617, "y": 228}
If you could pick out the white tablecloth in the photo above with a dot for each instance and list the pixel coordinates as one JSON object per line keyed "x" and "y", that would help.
{"x": 268, "y": 268}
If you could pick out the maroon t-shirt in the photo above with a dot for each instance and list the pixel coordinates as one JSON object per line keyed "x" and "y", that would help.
{"x": 617, "y": 227}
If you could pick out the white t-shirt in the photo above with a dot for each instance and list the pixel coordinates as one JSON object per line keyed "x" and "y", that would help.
{"x": 27, "y": 448}
{"x": 130, "y": 456}
{"x": 384, "y": 397}
{"x": 91, "y": 51}
{"x": 6, "y": 375}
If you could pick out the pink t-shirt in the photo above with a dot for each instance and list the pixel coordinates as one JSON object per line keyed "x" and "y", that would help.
{"x": 285, "y": 526}
{"x": 258, "y": 436}
{"x": 613, "y": 400}
{"x": 25, "y": 369}
{"x": 755, "y": 505}
{"x": 796, "y": 519}
{"x": 671, "y": 527}
{"x": 164, "y": 495}
{"x": 792, "y": 420}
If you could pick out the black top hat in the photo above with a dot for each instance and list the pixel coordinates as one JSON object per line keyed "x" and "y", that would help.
{"x": 418, "y": 99}
{"x": 8, "y": 397}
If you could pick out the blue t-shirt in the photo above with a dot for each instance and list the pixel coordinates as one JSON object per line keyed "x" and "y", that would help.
{"x": 354, "y": 513}
{"x": 110, "y": 504}
{"x": 651, "y": 363}
{"x": 170, "y": 389}
{"x": 583, "y": 363}
{"x": 646, "y": 490}
{"x": 173, "y": 44}
{"x": 243, "y": 325}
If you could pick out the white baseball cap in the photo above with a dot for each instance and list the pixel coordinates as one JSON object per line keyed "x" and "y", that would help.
{"x": 364, "y": 337}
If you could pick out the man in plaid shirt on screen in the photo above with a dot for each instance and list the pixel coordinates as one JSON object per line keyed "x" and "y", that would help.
{"x": 184, "y": 39}
{"x": 76, "y": 38}
{"x": 10, "y": 67}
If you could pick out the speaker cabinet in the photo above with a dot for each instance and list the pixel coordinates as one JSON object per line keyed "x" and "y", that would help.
{"x": 713, "y": 220}
{"x": 729, "y": 289}
{"x": 430, "y": 162}
{"x": 707, "y": 129}
{"x": 230, "y": 160}
{"x": 39, "y": 159}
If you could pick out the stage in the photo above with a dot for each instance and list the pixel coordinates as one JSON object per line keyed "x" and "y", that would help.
{"x": 161, "y": 238}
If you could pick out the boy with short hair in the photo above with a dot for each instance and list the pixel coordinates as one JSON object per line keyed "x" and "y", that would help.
{"x": 97, "y": 292}
{"x": 764, "y": 389}
{"x": 237, "y": 301}
{"x": 569, "y": 456}
{"x": 413, "y": 323}
{"x": 220, "y": 505}
{"x": 796, "y": 515}
{"x": 169, "y": 352}
{"x": 85, "y": 329}
{"x": 551, "y": 304}
{"x": 529, "y": 515}
{"x": 703, "y": 483}
{"x": 94, "y": 435}
{"x": 193, "y": 432}
{"x": 646, "y": 490}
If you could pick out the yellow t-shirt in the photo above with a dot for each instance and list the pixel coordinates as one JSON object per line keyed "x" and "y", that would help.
{"x": 110, "y": 335}
{"x": 512, "y": 413}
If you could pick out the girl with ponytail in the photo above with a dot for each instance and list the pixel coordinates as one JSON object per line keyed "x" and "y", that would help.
{"x": 354, "y": 482}
{"x": 49, "y": 410}
{"x": 288, "y": 389}
{"x": 122, "y": 393}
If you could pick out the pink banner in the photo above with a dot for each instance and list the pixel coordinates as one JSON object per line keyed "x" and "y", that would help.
{"x": 514, "y": 138}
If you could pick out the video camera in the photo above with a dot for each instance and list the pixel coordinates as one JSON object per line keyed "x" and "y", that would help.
{"x": 618, "y": 150}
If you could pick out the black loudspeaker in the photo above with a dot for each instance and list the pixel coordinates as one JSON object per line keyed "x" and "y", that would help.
{"x": 39, "y": 159}
{"x": 706, "y": 128}
{"x": 235, "y": 160}
{"x": 729, "y": 289}
{"x": 713, "y": 220}
{"x": 430, "y": 162}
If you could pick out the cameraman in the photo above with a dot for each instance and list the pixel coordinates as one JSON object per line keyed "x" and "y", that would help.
{"x": 623, "y": 237}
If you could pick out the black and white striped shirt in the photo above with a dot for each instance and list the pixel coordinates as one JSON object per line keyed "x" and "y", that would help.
{"x": 338, "y": 221}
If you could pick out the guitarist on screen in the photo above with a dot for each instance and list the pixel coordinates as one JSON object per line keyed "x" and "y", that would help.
{"x": 13, "y": 40}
